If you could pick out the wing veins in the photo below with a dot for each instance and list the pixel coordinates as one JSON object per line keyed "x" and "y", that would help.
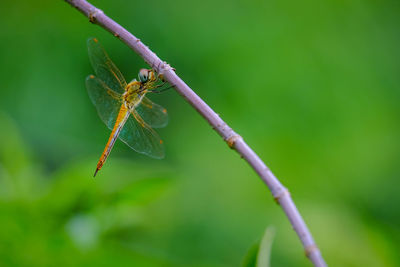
{"x": 111, "y": 67}
{"x": 110, "y": 91}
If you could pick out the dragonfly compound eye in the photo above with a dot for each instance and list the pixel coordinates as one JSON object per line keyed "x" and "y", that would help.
{"x": 143, "y": 75}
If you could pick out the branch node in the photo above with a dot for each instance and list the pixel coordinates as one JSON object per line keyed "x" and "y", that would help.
{"x": 310, "y": 249}
{"x": 164, "y": 67}
{"x": 231, "y": 140}
{"x": 93, "y": 12}
{"x": 283, "y": 192}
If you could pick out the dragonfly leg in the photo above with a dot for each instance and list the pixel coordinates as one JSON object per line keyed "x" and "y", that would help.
{"x": 162, "y": 90}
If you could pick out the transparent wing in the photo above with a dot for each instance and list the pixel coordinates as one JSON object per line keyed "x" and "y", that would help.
{"x": 106, "y": 101}
{"x": 140, "y": 137}
{"x": 104, "y": 68}
{"x": 154, "y": 115}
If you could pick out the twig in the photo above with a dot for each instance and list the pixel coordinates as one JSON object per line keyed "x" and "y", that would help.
{"x": 235, "y": 141}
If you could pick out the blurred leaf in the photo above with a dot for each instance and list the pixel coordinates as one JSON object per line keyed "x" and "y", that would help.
{"x": 259, "y": 255}
{"x": 13, "y": 152}
{"x": 17, "y": 172}
{"x": 251, "y": 257}
{"x": 264, "y": 252}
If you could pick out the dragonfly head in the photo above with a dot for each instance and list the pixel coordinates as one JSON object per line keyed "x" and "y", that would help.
{"x": 146, "y": 75}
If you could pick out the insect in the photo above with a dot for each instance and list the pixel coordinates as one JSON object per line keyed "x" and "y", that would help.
{"x": 123, "y": 106}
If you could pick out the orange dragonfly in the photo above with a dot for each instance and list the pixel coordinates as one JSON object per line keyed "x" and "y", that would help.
{"x": 123, "y": 106}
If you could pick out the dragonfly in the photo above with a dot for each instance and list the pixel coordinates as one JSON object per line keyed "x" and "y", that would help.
{"x": 124, "y": 107}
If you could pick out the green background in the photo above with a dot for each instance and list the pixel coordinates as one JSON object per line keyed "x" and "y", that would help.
{"x": 312, "y": 86}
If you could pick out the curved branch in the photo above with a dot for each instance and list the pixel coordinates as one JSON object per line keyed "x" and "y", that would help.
{"x": 235, "y": 141}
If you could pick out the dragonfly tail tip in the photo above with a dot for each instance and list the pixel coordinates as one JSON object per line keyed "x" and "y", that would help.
{"x": 94, "y": 175}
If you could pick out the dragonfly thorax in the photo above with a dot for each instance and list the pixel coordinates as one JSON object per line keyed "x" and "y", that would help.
{"x": 134, "y": 93}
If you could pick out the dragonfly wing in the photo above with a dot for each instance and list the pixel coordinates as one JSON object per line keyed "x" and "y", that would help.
{"x": 106, "y": 100}
{"x": 104, "y": 68}
{"x": 139, "y": 136}
{"x": 153, "y": 114}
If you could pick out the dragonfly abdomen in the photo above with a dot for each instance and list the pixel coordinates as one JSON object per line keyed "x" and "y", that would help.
{"x": 122, "y": 117}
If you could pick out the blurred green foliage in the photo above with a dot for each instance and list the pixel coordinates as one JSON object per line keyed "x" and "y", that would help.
{"x": 259, "y": 255}
{"x": 312, "y": 86}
